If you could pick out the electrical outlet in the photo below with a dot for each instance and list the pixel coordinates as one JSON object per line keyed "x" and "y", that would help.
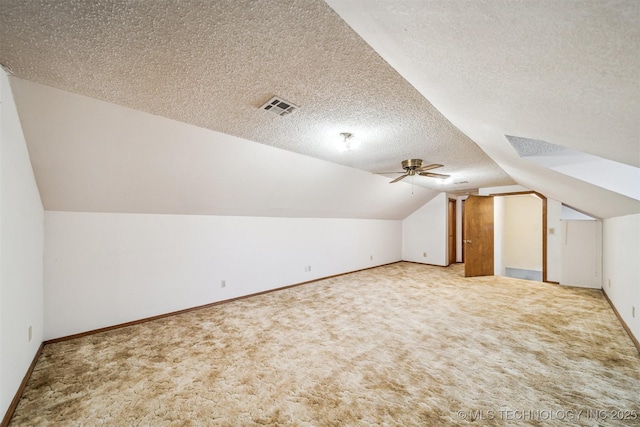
{"x": 424, "y": 254}
{"x": 609, "y": 283}
{"x": 371, "y": 257}
{"x": 309, "y": 268}
{"x": 223, "y": 284}
{"x": 30, "y": 333}
{"x": 633, "y": 311}
{"x": 552, "y": 231}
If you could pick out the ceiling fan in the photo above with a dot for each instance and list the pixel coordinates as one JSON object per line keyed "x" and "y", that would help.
{"x": 414, "y": 167}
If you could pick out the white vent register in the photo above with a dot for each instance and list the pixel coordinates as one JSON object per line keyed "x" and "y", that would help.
{"x": 279, "y": 106}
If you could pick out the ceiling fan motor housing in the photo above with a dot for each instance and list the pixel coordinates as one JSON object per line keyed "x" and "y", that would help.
{"x": 411, "y": 164}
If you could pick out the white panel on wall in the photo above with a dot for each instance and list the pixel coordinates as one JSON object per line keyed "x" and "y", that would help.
{"x": 424, "y": 233}
{"x": 21, "y": 248}
{"x": 106, "y": 269}
{"x": 580, "y": 254}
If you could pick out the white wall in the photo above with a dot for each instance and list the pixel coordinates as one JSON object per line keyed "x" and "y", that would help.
{"x": 499, "y": 235}
{"x": 487, "y": 191}
{"x": 107, "y": 269}
{"x": 554, "y": 240}
{"x": 425, "y": 231}
{"x": 621, "y": 269}
{"x": 580, "y": 253}
{"x": 94, "y": 156}
{"x": 569, "y": 213}
{"x": 21, "y": 248}
{"x": 523, "y": 232}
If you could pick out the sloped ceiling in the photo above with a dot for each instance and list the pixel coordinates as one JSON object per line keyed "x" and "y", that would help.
{"x": 566, "y": 72}
{"x": 94, "y": 156}
{"x": 561, "y": 71}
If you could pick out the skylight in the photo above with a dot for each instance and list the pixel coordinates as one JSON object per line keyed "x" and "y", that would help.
{"x": 614, "y": 176}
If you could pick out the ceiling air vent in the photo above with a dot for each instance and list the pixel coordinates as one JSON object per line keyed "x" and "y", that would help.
{"x": 279, "y": 106}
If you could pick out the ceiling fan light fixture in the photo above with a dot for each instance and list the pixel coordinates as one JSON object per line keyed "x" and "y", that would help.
{"x": 347, "y": 142}
{"x": 413, "y": 167}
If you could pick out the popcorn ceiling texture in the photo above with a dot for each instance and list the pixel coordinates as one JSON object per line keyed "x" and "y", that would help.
{"x": 213, "y": 64}
{"x": 560, "y": 71}
{"x": 532, "y": 147}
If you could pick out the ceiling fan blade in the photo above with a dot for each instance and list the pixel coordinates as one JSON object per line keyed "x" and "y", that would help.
{"x": 399, "y": 178}
{"x": 428, "y": 167}
{"x": 433, "y": 175}
{"x": 387, "y": 173}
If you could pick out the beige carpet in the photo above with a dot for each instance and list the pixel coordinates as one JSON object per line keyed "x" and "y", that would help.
{"x": 399, "y": 345}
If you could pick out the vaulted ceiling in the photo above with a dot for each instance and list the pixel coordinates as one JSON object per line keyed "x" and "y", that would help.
{"x": 155, "y": 106}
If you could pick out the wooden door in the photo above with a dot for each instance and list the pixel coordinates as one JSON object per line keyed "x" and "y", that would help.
{"x": 452, "y": 230}
{"x": 478, "y": 243}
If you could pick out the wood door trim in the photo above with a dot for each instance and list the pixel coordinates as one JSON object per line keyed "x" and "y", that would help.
{"x": 462, "y": 232}
{"x": 452, "y": 248}
{"x": 624, "y": 324}
{"x": 16, "y": 398}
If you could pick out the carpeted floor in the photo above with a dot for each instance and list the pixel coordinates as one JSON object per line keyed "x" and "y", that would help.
{"x": 399, "y": 345}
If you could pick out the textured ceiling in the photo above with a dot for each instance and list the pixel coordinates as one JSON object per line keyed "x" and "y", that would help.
{"x": 213, "y": 64}
{"x": 562, "y": 71}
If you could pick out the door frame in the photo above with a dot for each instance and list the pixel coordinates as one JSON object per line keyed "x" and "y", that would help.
{"x": 452, "y": 242}
{"x": 462, "y": 233}
{"x": 544, "y": 225}
{"x": 481, "y": 233}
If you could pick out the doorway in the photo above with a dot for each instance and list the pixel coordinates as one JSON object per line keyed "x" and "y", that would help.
{"x": 479, "y": 236}
{"x": 519, "y": 230}
{"x": 474, "y": 220}
{"x": 451, "y": 221}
